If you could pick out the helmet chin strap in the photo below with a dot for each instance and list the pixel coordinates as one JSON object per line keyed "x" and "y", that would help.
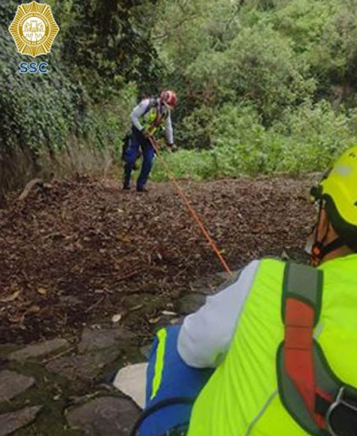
{"x": 319, "y": 249}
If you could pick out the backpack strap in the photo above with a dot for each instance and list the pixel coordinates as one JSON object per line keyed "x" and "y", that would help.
{"x": 317, "y": 400}
{"x": 153, "y": 103}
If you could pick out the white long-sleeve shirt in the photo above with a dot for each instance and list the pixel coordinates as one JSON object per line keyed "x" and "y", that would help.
{"x": 206, "y": 335}
{"x": 144, "y": 108}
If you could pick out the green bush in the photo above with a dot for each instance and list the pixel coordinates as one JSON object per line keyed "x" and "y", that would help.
{"x": 307, "y": 139}
{"x": 260, "y": 67}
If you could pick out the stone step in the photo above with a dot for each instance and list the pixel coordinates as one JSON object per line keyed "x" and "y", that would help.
{"x": 13, "y": 384}
{"x": 10, "y": 422}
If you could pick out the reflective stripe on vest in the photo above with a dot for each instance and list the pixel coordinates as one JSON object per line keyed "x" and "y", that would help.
{"x": 159, "y": 364}
{"x": 241, "y": 398}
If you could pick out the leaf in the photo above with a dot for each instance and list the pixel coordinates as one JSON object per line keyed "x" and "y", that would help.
{"x": 154, "y": 320}
{"x": 117, "y": 318}
{"x": 125, "y": 239}
{"x": 33, "y": 310}
{"x": 17, "y": 319}
{"x": 135, "y": 308}
{"x": 11, "y": 297}
{"x": 168, "y": 313}
{"x": 42, "y": 291}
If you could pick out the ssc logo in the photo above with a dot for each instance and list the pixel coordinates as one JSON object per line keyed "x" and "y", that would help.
{"x": 34, "y": 29}
{"x": 33, "y": 68}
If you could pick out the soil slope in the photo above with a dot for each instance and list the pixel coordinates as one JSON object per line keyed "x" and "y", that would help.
{"x": 80, "y": 251}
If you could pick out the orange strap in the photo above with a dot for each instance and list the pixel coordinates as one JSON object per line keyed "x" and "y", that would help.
{"x": 191, "y": 209}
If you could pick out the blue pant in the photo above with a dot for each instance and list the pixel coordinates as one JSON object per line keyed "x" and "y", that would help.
{"x": 169, "y": 378}
{"x": 137, "y": 142}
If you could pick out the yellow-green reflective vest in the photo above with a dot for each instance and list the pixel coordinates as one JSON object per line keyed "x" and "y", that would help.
{"x": 242, "y": 397}
{"x": 153, "y": 121}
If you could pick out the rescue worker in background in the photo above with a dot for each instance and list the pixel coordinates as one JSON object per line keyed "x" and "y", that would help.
{"x": 149, "y": 116}
{"x": 282, "y": 338}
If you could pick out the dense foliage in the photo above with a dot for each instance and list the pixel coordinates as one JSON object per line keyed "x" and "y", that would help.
{"x": 267, "y": 85}
{"x": 80, "y": 108}
{"x": 264, "y": 85}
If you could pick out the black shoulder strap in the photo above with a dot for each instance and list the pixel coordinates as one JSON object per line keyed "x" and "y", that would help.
{"x": 153, "y": 103}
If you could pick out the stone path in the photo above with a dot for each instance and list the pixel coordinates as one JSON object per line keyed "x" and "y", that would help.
{"x": 62, "y": 383}
{"x": 13, "y": 384}
{"x": 106, "y": 416}
{"x": 63, "y": 387}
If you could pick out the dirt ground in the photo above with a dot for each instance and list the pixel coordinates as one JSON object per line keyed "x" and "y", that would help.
{"x": 80, "y": 251}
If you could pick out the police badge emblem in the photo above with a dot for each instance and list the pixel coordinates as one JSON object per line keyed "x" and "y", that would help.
{"x": 34, "y": 29}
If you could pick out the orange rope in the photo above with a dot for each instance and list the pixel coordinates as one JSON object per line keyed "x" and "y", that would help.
{"x": 190, "y": 208}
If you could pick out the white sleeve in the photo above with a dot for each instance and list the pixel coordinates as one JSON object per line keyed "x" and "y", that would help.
{"x": 138, "y": 112}
{"x": 169, "y": 130}
{"x": 206, "y": 335}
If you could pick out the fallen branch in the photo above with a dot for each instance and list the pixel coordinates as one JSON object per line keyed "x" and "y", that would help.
{"x": 58, "y": 356}
{"x": 29, "y": 187}
{"x": 130, "y": 275}
{"x": 94, "y": 305}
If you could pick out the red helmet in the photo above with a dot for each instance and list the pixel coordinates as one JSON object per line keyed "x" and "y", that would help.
{"x": 168, "y": 98}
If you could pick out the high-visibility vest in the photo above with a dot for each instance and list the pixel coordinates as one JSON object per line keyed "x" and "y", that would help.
{"x": 153, "y": 119}
{"x": 242, "y": 397}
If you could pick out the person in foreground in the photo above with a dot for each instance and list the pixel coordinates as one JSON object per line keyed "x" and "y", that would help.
{"x": 280, "y": 342}
{"x": 149, "y": 116}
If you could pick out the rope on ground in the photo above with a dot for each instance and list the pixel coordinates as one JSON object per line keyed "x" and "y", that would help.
{"x": 190, "y": 208}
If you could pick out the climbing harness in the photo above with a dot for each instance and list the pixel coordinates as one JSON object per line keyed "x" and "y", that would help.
{"x": 313, "y": 395}
{"x": 153, "y": 119}
{"x": 190, "y": 208}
